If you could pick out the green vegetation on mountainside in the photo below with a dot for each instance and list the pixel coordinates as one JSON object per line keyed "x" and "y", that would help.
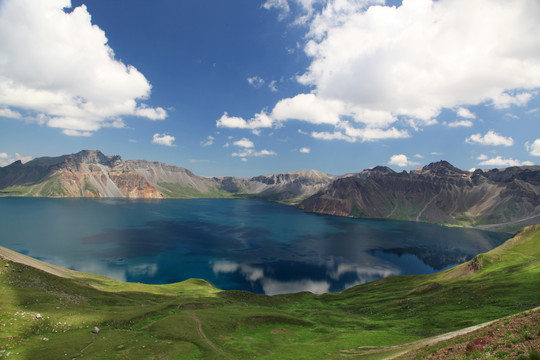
{"x": 50, "y": 187}
{"x": 179, "y": 191}
{"x": 173, "y": 190}
{"x": 193, "y": 320}
{"x": 90, "y": 188}
{"x": 16, "y": 191}
{"x": 53, "y": 187}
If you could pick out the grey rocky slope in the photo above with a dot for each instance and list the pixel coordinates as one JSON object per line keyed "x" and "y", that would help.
{"x": 92, "y": 174}
{"x": 438, "y": 193}
{"x": 179, "y": 182}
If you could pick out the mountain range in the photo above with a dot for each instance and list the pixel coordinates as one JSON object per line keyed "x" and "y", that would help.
{"x": 437, "y": 193}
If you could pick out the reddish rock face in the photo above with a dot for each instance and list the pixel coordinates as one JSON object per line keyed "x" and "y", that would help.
{"x": 85, "y": 174}
{"x": 133, "y": 185}
{"x": 89, "y": 194}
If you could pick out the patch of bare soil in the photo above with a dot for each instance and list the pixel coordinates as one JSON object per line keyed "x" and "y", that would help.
{"x": 514, "y": 337}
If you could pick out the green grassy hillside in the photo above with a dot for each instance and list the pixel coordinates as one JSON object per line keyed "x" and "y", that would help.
{"x": 193, "y": 320}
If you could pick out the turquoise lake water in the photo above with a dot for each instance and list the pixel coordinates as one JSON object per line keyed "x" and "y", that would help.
{"x": 234, "y": 244}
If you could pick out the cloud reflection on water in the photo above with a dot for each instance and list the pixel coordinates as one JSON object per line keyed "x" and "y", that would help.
{"x": 146, "y": 270}
{"x": 251, "y": 273}
{"x": 333, "y": 274}
{"x": 275, "y": 287}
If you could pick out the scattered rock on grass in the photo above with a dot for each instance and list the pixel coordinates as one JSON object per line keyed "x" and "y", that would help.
{"x": 38, "y": 316}
{"x": 45, "y": 339}
{"x": 95, "y": 330}
{"x": 478, "y": 344}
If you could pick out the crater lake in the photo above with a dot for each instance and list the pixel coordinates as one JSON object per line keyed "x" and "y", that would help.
{"x": 261, "y": 247}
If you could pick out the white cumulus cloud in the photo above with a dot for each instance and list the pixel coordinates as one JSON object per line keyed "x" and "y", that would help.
{"x": 310, "y": 108}
{"x": 401, "y": 160}
{"x": 248, "y": 149}
{"x": 386, "y": 67}
{"x": 534, "y": 148}
{"x": 8, "y": 113}
{"x": 260, "y": 120}
{"x": 242, "y": 153}
{"x": 163, "y": 139}
{"x": 500, "y": 161}
{"x": 272, "y": 86}
{"x": 426, "y": 55}
{"x": 244, "y": 142}
{"x": 72, "y": 132}
{"x": 336, "y": 135}
{"x": 305, "y": 150}
{"x": 459, "y": 123}
{"x": 465, "y": 113}
{"x": 281, "y": 5}
{"x": 373, "y": 133}
{"x": 490, "y": 138}
{"x": 251, "y": 152}
{"x": 264, "y": 153}
{"x": 482, "y": 157}
{"x": 507, "y": 99}
{"x": 58, "y": 64}
{"x": 256, "y": 82}
{"x": 208, "y": 142}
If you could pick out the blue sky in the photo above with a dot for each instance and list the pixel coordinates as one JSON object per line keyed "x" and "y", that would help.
{"x": 250, "y": 87}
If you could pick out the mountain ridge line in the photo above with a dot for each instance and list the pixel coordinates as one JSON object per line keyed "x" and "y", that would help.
{"x": 506, "y": 198}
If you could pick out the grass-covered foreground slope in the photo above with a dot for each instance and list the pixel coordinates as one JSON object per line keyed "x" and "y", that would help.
{"x": 192, "y": 320}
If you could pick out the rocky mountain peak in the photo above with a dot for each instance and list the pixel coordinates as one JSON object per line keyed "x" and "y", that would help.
{"x": 380, "y": 170}
{"x": 305, "y": 176}
{"x": 97, "y": 157}
{"x": 376, "y": 170}
{"x": 440, "y": 168}
{"x": 16, "y": 163}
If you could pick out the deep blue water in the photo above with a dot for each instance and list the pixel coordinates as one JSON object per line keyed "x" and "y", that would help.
{"x": 235, "y": 244}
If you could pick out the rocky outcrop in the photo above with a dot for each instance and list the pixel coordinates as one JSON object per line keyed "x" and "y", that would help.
{"x": 95, "y": 157}
{"x": 180, "y": 182}
{"x": 84, "y": 174}
{"x": 289, "y": 185}
{"x": 159, "y": 173}
{"x": 438, "y": 192}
